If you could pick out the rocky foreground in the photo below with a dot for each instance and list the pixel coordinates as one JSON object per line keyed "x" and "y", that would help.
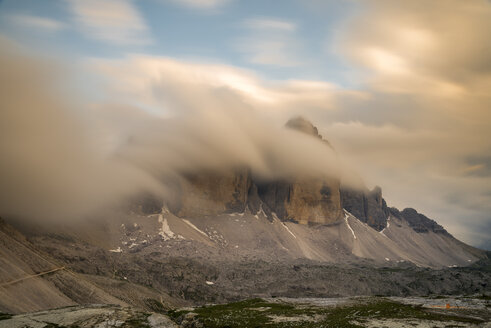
{"x": 276, "y": 312}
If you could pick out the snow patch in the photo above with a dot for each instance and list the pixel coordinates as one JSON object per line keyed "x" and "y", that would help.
{"x": 117, "y": 250}
{"x": 347, "y": 223}
{"x": 194, "y": 227}
{"x": 165, "y": 231}
{"x": 288, "y": 229}
{"x": 209, "y": 282}
{"x": 387, "y": 227}
{"x": 261, "y": 211}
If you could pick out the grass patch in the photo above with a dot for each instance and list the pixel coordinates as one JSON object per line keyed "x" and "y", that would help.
{"x": 138, "y": 321}
{"x": 259, "y": 313}
{"x": 484, "y": 297}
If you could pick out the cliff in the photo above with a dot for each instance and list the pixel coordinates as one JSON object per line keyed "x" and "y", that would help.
{"x": 367, "y": 205}
{"x": 300, "y": 199}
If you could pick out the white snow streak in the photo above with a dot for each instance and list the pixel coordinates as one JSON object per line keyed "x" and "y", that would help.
{"x": 288, "y": 229}
{"x": 194, "y": 227}
{"x": 388, "y": 225}
{"x": 261, "y": 211}
{"x": 347, "y": 223}
{"x": 117, "y": 250}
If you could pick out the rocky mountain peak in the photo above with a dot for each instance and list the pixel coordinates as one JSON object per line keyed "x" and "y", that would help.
{"x": 419, "y": 222}
{"x": 303, "y": 125}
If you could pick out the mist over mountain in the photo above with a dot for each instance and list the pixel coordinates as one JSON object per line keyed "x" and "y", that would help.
{"x": 81, "y": 160}
{"x": 314, "y": 162}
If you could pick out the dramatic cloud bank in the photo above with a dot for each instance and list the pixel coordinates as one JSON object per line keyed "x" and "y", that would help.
{"x": 423, "y": 129}
{"x": 61, "y": 160}
{"x": 415, "y": 119}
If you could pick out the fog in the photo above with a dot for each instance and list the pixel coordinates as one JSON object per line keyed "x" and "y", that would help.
{"x": 63, "y": 157}
{"x": 406, "y": 106}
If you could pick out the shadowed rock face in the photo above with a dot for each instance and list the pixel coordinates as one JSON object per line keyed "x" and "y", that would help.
{"x": 213, "y": 193}
{"x": 300, "y": 124}
{"x": 368, "y": 206}
{"x": 419, "y": 222}
{"x": 316, "y": 201}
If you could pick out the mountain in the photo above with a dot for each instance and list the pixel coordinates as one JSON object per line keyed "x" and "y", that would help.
{"x": 231, "y": 235}
{"x": 301, "y": 199}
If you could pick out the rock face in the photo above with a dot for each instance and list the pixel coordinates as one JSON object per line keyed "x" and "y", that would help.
{"x": 419, "y": 222}
{"x": 303, "y": 200}
{"x": 368, "y": 206}
{"x": 213, "y": 193}
{"x": 312, "y": 200}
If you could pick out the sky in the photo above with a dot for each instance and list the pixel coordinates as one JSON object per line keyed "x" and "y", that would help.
{"x": 400, "y": 89}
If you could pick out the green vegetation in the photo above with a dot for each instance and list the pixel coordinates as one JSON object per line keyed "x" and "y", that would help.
{"x": 260, "y": 313}
{"x": 137, "y": 321}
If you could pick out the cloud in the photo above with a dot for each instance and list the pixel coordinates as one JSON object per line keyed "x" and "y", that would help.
{"x": 270, "y": 41}
{"x": 442, "y": 47}
{"x": 201, "y": 4}
{"x": 423, "y": 126}
{"x": 37, "y": 23}
{"x": 51, "y": 165}
{"x": 135, "y": 78}
{"x": 418, "y": 125}
{"x": 114, "y": 21}
{"x": 225, "y": 101}
{"x": 270, "y": 24}
{"x": 63, "y": 159}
